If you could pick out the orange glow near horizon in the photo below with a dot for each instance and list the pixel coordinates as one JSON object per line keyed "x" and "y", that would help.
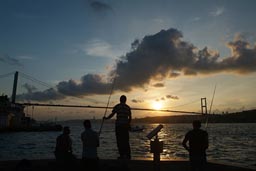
{"x": 157, "y": 105}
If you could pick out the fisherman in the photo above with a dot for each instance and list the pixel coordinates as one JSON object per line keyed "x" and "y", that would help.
{"x": 122, "y": 127}
{"x": 198, "y": 143}
{"x": 90, "y": 140}
{"x": 63, "y": 149}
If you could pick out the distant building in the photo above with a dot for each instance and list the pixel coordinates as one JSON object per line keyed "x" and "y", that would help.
{"x": 11, "y": 115}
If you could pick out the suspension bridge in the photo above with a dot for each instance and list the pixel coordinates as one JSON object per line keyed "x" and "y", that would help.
{"x": 28, "y": 77}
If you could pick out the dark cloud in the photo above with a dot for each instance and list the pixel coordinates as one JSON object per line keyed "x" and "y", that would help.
{"x": 160, "y": 56}
{"x": 174, "y": 74}
{"x": 165, "y": 54}
{"x": 167, "y": 97}
{"x": 158, "y": 85}
{"x": 100, "y": 6}
{"x": 29, "y": 88}
{"x": 9, "y": 60}
{"x": 137, "y": 101}
{"x": 172, "y": 97}
{"x": 49, "y": 94}
{"x": 154, "y": 58}
{"x": 89, "y": 84}
{"x": 243, "y": 58}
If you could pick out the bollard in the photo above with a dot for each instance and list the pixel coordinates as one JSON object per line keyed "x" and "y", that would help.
{"x": 156, "y": 147}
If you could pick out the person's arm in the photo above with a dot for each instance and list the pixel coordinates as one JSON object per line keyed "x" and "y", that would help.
{"x": 184, "y": 143}
{"x": 109, "y": 116}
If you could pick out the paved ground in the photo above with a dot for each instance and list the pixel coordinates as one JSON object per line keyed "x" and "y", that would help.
{"x": 112, "y": 165}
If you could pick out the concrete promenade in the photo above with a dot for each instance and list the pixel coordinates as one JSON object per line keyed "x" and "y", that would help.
{"x": 114, "y": 165}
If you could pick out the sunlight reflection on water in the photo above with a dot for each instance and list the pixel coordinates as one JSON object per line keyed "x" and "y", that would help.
{"x": 233, "y": 143}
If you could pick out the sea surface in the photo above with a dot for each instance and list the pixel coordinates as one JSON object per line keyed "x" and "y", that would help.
{"x": 228, "y": 143}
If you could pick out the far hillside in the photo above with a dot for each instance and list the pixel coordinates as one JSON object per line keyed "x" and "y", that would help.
{"x": 239, "y": 117}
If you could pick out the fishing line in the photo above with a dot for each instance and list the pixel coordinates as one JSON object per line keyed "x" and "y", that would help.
{"x": 107, "y": 105}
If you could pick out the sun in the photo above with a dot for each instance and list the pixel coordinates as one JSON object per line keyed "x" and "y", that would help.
{"x": 157, "y": 105}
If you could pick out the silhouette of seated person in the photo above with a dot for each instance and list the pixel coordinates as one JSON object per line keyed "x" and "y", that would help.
{"x": 63, "y": 149}
{"x": 197, "y": 144}
{"x": 90, "y": 140}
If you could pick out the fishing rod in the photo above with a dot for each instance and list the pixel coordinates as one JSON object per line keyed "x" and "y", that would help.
{"x": 207, "y": 118}
{"x": 107, "y": 106}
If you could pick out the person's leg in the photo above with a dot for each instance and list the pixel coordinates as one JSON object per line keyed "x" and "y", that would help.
{"x": 198, "y": 162}
{"x": 119, "y": 140}
{"x": 202, "y": 163}
{"x": 127, "y": 148}
{"x": 125, "y": 145}
{"x": 193, "y": 162}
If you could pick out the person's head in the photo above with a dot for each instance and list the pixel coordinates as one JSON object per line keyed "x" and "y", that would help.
{"x": 123, "y": 99}
{"x": 196, "y": 124}
{"x": 66, "y": 130}
{"x": 87, "y": 124}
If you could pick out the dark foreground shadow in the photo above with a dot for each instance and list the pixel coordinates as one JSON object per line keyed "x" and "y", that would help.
{"x": 110, "y": 165}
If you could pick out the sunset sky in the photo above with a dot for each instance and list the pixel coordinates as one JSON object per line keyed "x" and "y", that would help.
{"x": 164, "y": 54}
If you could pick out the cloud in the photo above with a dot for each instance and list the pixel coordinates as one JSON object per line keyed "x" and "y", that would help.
{"x": 158, "y": 85}
{"x": 29, "y": 88}
{"x": 243, "y": 58}
{"x": 100, "y": 48}
{"x": 137, "y": 101}
{"x": 25, "y": 57}
{"x": 195, "y": 19}
{"x": 172, "y": 97}
{"x": 167, "y": 97}
{"x": 10, "y": 60}
{"x": 217, "y": 12}
{"x": 49, "y": 94}
{"x": 89, "y": 84}
{"x": 158, "y": 21}
{"x": 163, "y": 55}
{"x": 32, "y": 94}
{"x": 154, "y": 58}
{"x": 100, "y": 6}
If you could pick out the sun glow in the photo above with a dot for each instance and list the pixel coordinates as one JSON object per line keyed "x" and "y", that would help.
{"x": 157, "y": 105}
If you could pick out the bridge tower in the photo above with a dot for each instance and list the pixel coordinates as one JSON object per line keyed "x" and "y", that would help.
{"x": 14, "y": 89}
{"x": 204, "y": 106}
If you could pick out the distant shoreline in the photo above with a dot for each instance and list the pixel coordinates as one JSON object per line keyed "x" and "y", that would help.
{"x": 248, "y": 116}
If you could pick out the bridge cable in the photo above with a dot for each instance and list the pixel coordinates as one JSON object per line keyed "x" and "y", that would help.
{"x": 207, "y": 118}
{"x": 6, "y": 75}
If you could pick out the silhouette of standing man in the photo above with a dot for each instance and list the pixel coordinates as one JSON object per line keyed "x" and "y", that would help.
{"x": 122, "y": 127}
{"x": 198, "y": 143}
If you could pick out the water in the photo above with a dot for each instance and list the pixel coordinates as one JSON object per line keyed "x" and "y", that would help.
{"x": 229, "y": 143}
